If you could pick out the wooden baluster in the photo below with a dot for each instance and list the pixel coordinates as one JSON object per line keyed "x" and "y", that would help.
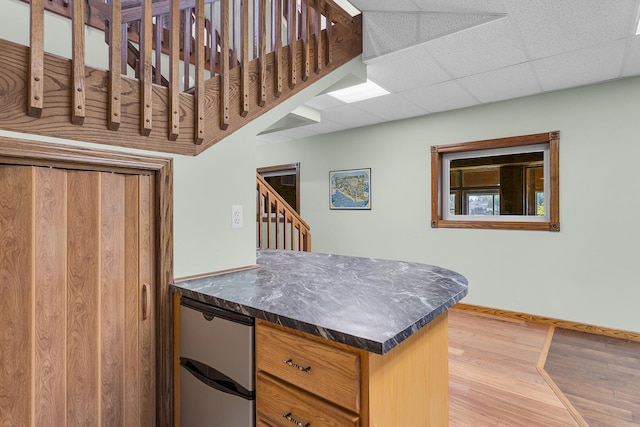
{"x": 259, "y": 212}
{"x": 269, "y": 206}
{"x": 186, "y": 49}
{"x": 276, "y": 230}
{"x": 262, "y": 53}
{"x": 146, "y": 68}
{"x": 115, "y": 66}
{"x": 214, "y": 40}
{"x": 319, "y": 62}
{"x": 244, "y": 86}
{"x": 292, "y": 243}
{"x": 293, "y": 37}
{"x": 233, "y": 35}
{"x": 328, "y": 42}
{"x": 200, "y": 67}
{"x": 174, "y": 72}
{"x": 224, "y": 65}
{"x": 157, "y": 75}
{"x": 124, "y": 47}
{"x": 78, "y": 110}
{"x": 278, "y": 47}
{"x": 36, "y": 60}
{"x": 305, "y": 40}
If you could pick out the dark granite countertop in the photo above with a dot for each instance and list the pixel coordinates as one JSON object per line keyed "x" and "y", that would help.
{"x": 366, "y": 303}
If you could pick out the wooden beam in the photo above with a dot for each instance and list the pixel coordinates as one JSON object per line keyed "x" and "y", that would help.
{"x": 115, "y": 67}
{"x": 200, "y": 67}
{"x": 78, "y": 110}
{"x": 146, "y": 70}
{"x": 174, "y": 74}
{"x": 36, "y": 60}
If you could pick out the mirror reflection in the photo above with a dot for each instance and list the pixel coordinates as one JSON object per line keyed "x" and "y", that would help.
{"x": 511, "y": 184}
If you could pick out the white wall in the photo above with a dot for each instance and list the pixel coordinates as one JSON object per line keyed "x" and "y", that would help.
{"x": 588, "y": 272}
{"x": 205, "y": 187}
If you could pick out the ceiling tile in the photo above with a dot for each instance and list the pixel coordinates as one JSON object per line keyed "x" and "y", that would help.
{"x": 461, "y": 6}
{"x": 386, "y": 32}
{"x": 632, "y": 61}
{"x": 506, "y": 83}
{"x": 350, "y": 117}
{"x": 479, "y": 49}
{"x": 582, "y": 67}
{"x": 440, "y": 97}
{"x": 384, "y": 5}
{"x": 552, "y": 27}
{"x": 390, "y": 107}
{"x": 404, "y": 70}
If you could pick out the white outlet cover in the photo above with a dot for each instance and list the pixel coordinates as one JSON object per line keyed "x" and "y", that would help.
{"x": 236, "y": 216}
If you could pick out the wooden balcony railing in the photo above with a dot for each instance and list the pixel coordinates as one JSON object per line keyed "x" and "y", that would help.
{"x": 228, "y": 62}
{"x": 279, "y": 225}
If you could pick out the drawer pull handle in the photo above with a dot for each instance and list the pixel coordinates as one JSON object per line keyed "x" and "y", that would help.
{"x": 295, "y": 365}
{"x": 288, "y": 417}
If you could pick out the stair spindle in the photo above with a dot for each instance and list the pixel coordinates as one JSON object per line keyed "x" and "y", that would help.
{"x": 244, "y": 83}
{"x": 115, "y": 66}
{"x": 262, "y": 55}
{"x": 146, "y": 70}
{"x": 36, "y": 59}
{"x": 200, "y": 67}
{"x": 174, "y": 74}
{"x": 292, "y": 22}
{"x": 278, "y": 47}
{"x": 78, "y": 108}
{"x": 224, "y": 65}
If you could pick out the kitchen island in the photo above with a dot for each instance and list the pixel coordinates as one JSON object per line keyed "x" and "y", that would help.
{"x": 342, "y": 340}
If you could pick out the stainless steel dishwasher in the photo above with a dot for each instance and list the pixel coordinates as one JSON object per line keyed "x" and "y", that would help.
{"x": 217, "y": 368}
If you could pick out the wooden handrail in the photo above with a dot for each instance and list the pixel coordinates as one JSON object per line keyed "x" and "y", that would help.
{"x": 217, "y": 92}
{"x": 295, "y": 234}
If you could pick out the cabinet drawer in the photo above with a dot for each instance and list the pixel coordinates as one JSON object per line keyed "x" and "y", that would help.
{"x": 324, "y": 370}
{"x": 286, "y": 406}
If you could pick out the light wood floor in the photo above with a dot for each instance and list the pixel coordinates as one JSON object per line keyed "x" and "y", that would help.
{"x": 493, "y": 380}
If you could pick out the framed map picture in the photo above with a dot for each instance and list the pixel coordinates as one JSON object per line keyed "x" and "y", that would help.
{"x": 350, "y": 189}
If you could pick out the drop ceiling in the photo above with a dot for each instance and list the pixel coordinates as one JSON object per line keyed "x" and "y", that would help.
{"x": 440, "y": 55}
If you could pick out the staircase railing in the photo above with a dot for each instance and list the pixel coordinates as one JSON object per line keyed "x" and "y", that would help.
{"x": 279, "y": 225}
{"x": 227, "y": 59}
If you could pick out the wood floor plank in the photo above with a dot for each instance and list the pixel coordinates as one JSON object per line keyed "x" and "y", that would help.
{"x": 493, "y": 380}
{"x": 599, "y": 375}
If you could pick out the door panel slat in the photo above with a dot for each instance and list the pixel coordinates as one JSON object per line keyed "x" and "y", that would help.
{"x": 112, "y": 319}
{"x": 132, "y": 302}
{"x": 15, "y": 295}
{"x": 83, "y": 403}
{"x": 50, "y": 225}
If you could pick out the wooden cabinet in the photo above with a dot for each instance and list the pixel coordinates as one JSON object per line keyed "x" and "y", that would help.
{"x": 304, "y": 380}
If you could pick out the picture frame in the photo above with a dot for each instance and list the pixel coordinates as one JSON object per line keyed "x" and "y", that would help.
{"x": 350, "y": 189}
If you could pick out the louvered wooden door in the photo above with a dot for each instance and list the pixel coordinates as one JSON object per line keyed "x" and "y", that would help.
{"x": 77, "y": 317}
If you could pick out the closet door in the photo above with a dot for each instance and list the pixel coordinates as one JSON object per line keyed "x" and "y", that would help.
{"x": 77, "y": 318}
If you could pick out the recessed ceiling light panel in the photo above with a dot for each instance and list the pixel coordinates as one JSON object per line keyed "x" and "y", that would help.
{"x": 359, "y": 92}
